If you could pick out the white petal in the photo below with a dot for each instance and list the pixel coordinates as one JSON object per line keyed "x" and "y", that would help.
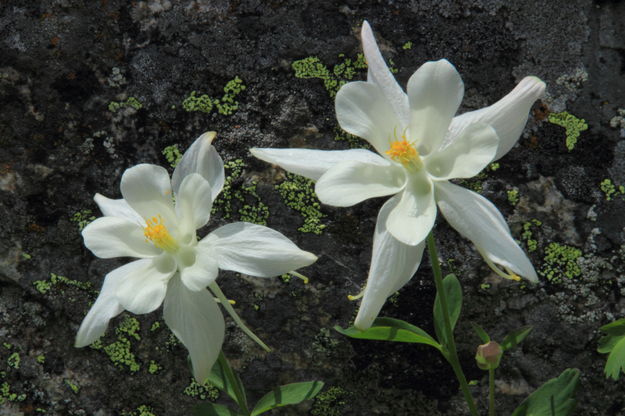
{"x": 435, "y": 91}
{"x": 202, "y": 158}
{"x": 105, "y": 308}
{"x": 202, "y": 269}
{"x": 312, "y": 163}
{"x": 118, "y": 208}
{"x": 109, "y": 237}
{"x": 379, "y": 74}
{"x": 478, "y": 219}
{"x": 193, "y": 204}
{"x": 466, "y": 156}
{"x": 392, "y": 265}
{"x": 147, "y": 190}
{"x": 362, "y": 110}
{"x": 507, "y": 116}
{"x": 255, "y": 250}
{"x": 350, "y": 182}
{"x": 195, "y": 319}
{"x": 143, "y": 288}
{"x": 413, "y": 217}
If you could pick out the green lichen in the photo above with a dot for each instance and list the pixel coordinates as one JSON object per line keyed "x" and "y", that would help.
{"x": 573, "y": 126}
{"x": 7, "y": 396}
{"x": 236, "y": 196}
{"x": 527, "y": 235}
{"x": 41, "y": 358}
{"x": 298, "y": 193}
{"x": 342, "y": 72}
{"x": 610, "y": 190}
{"x": 202, "y": 103}
{"x": 14, "y": 360}
{"x": 330, "y": 402}
{"x": 26, "y": 256}
{"x": 82, "y": 218}
{"x": 154, "y": 367}
{"x": 201, "y": 391}
{"x": 226, "y": 105}
{"x": 72, "y": 385}
{"x": 7, "y": 345}
{"x": 131, "y": 102}
{"x": 407, "y": 45}
{"x": 156, "y": 325}
{"x": 560, "y": 262}
{"x": 513, "y": 196}
{"x": 44, "y": 286}
{"x": 142, "y": 410}
{"x": 120, "y": 352}
{"x": 172, "y": 154}
{"x": 494, "y": 166}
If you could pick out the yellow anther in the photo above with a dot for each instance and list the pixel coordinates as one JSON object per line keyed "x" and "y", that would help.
{"x": 299, "y": 276}
{"x": 157, "y": 233}
{"x": 403, "y": 152}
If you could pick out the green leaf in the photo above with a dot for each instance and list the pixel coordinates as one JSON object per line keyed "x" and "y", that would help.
{"x": 614, "y": 344}
{"x": 453, "y": 290}
{"x": 213, "y": 409}
{"x": 219, "y": 377}
{"x": 554, "y": 398}
{"x": 481, "y": 333}
{"x": 514, "y": 338}
{"x": 389, "y": 329}
{"x": 288, "y": 394}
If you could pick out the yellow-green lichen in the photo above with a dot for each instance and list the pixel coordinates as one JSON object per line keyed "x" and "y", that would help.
{"x": 154, "y": 367}
{"x": 41, "y": 358}
{"x": 407, "y": 45}
{"x": 610, "y": 190}
{"x": 44, "y": 286}
{"x": 82, "y": 218}
{"x": 342, "y": 72}
{"x": 131, "y": 102}
{"x": 298, "y": 193}
{"x": 14, "y": 360}
{"x": 236, "y": 196}
{"x": 74, "y": 387}
{"x": 513, "y": 196}
{"x": 560, "y": 262}
{"x": 142, "y": 410}
{"x": 7, "y": 396}
{"x": 527, "y": 235}
{"x": 172, "y": 154}
{"x": 573, "y": 126}
{"x": 120, "y": 352}
{"x": 201, "y": 391}
{"x": 330, "y": 402}
{"x": 156, "y": 325}
{"x": 226, "y": 105}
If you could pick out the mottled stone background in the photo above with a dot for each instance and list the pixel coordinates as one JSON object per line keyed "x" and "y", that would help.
{"x": 90, "y": 88}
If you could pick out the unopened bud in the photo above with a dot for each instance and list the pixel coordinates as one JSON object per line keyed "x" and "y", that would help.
{"x": 488, "y": 355}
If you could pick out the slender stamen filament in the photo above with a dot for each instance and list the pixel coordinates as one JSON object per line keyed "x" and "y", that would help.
{"x": 510, "y": 275}
{"x": 358, "y": 296}
{"x": 156, "y": 232}
{"x": 299, "y": 276}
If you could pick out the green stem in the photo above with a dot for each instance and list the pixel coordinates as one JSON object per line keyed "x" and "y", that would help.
{"x": 491, "y": 392}
{"x": 228, "y": 307}
{"x": 234, "y": 382}
{"x": 452, "y": 357}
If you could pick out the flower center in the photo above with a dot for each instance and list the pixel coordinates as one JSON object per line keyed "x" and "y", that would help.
{"x": 157, "y": 233}
{"x": 403, "y": 151}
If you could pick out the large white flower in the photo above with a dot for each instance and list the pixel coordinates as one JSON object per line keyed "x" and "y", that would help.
{"x": 175, "y": 268}
{"x": 420, "y": 146}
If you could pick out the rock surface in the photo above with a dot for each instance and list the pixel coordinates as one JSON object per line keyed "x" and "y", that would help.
{"x": 88, "y": 89}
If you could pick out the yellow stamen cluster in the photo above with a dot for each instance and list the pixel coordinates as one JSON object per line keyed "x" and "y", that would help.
{"x": 403, "y": 152}
{"x": 157, "y": 233}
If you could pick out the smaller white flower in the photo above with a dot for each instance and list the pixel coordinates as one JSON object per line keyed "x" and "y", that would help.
{"x": 175, "y": 268}
{"x": 421, "y": 145}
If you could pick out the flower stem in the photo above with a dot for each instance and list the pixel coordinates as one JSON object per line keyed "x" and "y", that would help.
{"x": 234, "y": 382}
{"x": 491, "y": 392}
{"x": 228, "y": 307}
{"x": 452, "y": 356}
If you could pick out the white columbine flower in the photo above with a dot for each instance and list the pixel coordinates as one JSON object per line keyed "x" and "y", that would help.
{"x": 175, "y": 268}
{"x": 420, "y": 146}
